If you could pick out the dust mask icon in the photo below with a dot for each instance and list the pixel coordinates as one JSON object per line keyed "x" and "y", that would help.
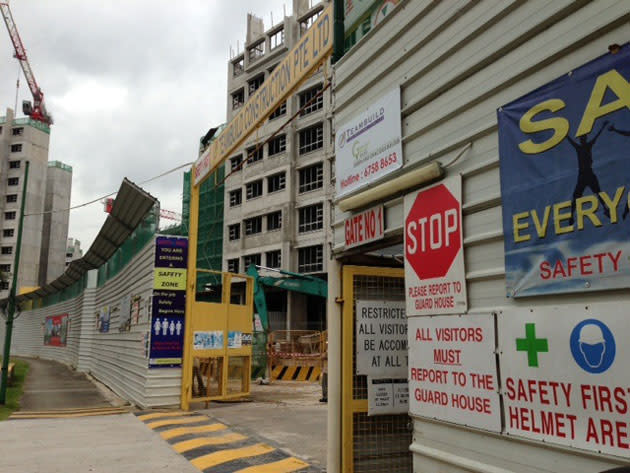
{"x": 592, "y": 345}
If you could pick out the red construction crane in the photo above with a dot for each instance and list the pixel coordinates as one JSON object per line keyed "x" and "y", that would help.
{"x": 37, "y": 111}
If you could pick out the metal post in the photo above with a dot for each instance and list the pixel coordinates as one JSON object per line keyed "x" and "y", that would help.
{"x": 339, "y": 33}
{"x": 11, "y": 305}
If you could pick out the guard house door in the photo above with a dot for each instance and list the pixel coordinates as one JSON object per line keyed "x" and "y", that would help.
{"x": 370, "y": 443}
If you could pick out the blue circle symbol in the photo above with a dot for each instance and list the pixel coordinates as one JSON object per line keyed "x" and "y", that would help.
{"x": 593, "y": 346}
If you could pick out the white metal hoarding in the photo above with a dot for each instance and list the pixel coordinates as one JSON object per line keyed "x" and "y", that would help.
{"x": 453, "y": 370}
{"x": 369, "y": 146}
{"x": 381, "y": 338}
{"x": 565, "y": 375}
{"x": 435, "y": 281}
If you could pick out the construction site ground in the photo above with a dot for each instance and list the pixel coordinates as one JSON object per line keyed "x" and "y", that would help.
{"x": 287, "y": 413}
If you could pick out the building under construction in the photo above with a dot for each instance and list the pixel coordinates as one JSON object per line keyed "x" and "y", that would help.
{"x": 45, "y": 229}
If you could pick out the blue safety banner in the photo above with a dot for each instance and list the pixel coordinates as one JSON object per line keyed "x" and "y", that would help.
{"x": 565, "y": 175}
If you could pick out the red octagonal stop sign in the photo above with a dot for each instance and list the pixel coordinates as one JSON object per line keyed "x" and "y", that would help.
{"x": 433, "y": 232}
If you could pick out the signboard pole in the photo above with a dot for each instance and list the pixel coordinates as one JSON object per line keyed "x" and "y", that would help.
{"x": 11, "y": 306}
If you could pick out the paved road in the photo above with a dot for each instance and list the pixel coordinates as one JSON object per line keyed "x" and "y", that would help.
{"x": 51, "y": 385}
{"x": 102, "y": 444}
{"x": 287, "y": 413}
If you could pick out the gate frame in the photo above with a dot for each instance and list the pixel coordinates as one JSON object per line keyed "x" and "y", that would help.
{"x": 350, "y": 406}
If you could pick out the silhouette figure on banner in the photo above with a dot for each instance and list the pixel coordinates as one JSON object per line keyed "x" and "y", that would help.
{"x": 586, "y": 176}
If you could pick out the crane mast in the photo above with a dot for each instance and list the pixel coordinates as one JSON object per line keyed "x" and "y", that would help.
{"x": 38, "y": 111}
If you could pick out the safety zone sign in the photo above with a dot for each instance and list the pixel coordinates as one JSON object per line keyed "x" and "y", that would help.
{"x": 453, "y": 371}
{"x": 565, "y": 375}
{"x": 435, "y": 280}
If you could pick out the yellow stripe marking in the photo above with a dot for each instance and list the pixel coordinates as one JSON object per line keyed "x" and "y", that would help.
{"x": 276, "y": 372}
{"x": 186, "y": 445}
{"x": 315, "y": 374}
{"x": 288, "y": 374}
{"x": 159, "y": 415}
{"x": 175, "y": 421}
{"x": 302, "y": 374}
{"x": 172, "y": 433}
{"x": 283, "y": 466}
{"x": 216, "y": 458}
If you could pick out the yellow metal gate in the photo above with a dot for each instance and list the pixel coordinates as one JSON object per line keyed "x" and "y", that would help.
{"x": 371, "y": 444}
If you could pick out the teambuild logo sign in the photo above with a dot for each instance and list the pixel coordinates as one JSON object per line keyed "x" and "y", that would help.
{"x": 565, "y": 376}
{"x": 369, "y": 146}
{"x": 565, "y": 179}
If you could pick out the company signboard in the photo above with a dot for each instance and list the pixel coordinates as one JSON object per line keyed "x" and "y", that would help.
{"x": 369, "y": 146}
{"x": 435, "y": 281}
{"x": 365, "y": 227}
{"x": 453, "y": 371}
{"x": 307, "y": 55}
{"x": 565, "y": 181}
{"x": 565, "y": 375}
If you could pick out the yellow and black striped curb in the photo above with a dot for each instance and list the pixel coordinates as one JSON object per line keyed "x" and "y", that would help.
{"x": 296, "y": 373}
{"x": 70, "y": 413}
{"x": 213, "y": 447}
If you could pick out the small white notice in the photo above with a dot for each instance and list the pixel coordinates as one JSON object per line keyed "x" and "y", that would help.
{"x": 381, "y": 339}
{"x": 387, "y": 396}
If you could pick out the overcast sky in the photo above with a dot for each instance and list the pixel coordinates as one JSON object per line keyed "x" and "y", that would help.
{"x": 132, "y": 85}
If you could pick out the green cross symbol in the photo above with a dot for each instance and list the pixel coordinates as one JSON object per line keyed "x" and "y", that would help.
{"x": 532, "y": 345}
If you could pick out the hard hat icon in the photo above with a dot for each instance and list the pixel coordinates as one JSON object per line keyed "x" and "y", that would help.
{"x": 591, "y": 334}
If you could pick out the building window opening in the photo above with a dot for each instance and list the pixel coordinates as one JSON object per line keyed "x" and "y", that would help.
{"x": 15, "y": 164}
{"x": 235, "y": 163}
{"x": 254, "y": 154}
{"x": 18, "y": 131}
{"x": 281, "y": 110}
{"x": 16, "y": 148}
{"x": 273, "y": 259}
{"x": 232, "y": 265}
{"x": 311, "y": 178}
{"x": 307, "y": 96}
{"x": 311, "y": 138}
{"x": 276, "y": 183}
{"x": 256, "y": 51}
{"x": 234, "y": 232}
{"x": 9, "y": 215}
{"x": 311, "y": 259}
{"x": 253, "y": 225}
{"x": 7, "y": 250}
{"x": 236, "y": 197}
{"x": 11, "y": 198}
{"x": 13, "y": 181}
{"x": 254, "y": 84}
{"x": 238, "y": 67}
{"x": 307, "y": 22}
{"x": 238, "y": 99}
{"x": 311, "y": 218}
{"x": 248, "y": 260}
{"x": 254, "y": 189}
{"x": 278, "y": 145}
{"x": 274, "y": 220}
{"x": 276, "y": 39}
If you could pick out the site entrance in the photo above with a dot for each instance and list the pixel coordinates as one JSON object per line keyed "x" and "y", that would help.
{"x": 376, "y": 428}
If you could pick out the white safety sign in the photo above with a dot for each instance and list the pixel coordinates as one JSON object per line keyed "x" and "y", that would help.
{"x": 453, "y": 370}
{"x": 387, "y": 396}
{"x": 565, "y": 375}
{"x": 381, "y": 338}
